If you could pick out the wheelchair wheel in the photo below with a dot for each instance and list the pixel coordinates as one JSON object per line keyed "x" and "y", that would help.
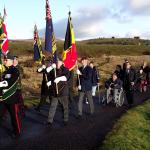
{"x": 121, "y": 99}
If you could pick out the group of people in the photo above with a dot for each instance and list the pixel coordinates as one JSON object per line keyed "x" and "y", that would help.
{"x": 57, "y": 85}
{"x": 126, "y": 78}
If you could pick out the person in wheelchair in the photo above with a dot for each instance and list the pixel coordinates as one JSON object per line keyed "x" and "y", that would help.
{"x": 113, "y": 88}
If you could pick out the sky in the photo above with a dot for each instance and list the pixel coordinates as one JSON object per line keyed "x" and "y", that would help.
{"x": 91, "y": 18}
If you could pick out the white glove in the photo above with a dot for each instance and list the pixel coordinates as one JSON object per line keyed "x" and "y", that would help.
{"x": 40, "y": 69}
{"x": 43, "y": 66}
{"x": 141, "y": 71}
{"x": 49, "y": 83}
{"x": 79, "y": 72}
{"x": 62, "y": 78}
{"x": 54, "y": 65}
{"x": 49, "y": 69}
{"x": 79, "y": 87}
{"x": 3, "y": 84}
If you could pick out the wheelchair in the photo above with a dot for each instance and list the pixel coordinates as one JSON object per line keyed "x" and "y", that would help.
{"x": 117, "y": 96}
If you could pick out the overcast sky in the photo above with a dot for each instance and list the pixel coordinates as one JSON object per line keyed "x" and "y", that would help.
{"x": 91, "y": 18}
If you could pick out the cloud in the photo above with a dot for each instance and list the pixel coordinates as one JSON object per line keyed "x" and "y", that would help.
{"x": 133, "y": 7}
{"x": 133, "y": 32}
{"x": 93, "y": 21}
{"x": 88, "y": 23}
{"x": 140, "y": 6}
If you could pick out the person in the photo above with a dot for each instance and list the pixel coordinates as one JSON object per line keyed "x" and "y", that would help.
{"x": 19, "y": 90}
{"x": 70, "y": 85}
{"x": 146, "y": 70}
{"x": 129, "y": 83}
{"x": 119, "y": 71}
{"x": 44, "y": 87}
{"x": 125, "y": 64}
{"x": 9, "y": 97}
{"x": 112, "y": 86}
{"x": 95, "y": 78}
{"x": 3, "y": 110}
{"x": 58, "y": 77}
{"x": 141, "y": 79}
{"x": 85, "y": 85}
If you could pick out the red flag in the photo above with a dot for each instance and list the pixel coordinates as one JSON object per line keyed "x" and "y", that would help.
{"x": 4, "y": 38}
{"x": 70, "y": 53}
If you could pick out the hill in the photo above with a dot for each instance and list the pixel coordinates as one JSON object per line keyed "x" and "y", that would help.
{"x": 92, "y": 47}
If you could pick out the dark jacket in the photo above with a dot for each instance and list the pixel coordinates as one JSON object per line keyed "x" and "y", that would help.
{"x": 95, "y": 76}
{"x": 62, "y": 85}
{"x": 140, "y": 76}
{"x": 117, "y": 84}
{"x": 20, "y": 69}
{"x": 11, "y": 75}
{"x": 128, "y": 78}
{"x": 86, "y": 78}
{"x": 44, "y": 88}
{"x": 146, "y": 70}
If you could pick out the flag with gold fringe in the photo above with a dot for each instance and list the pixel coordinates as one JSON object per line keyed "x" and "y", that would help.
{"x": 50, "y": 41}
{"x": 37, "y": 46}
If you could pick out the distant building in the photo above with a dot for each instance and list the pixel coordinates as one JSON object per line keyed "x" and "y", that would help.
{"x": 136, "y": 37}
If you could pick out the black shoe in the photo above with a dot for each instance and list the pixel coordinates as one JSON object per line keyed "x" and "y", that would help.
{"x": 79, "y": 117}
{"x": 15, "y": 136}
{"x": 37, "y": 109}
{"x": 48, "y": 124}
{"x": 65, "y": 123}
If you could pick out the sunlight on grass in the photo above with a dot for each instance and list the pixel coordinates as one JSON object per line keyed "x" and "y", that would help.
{"x": 131, "y": 132}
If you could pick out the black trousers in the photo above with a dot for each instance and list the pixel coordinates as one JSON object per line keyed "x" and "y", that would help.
{"x": 129, "y": 96}
{"x": 15, "y": 120}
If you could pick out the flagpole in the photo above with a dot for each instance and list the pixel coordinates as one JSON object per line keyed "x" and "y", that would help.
{"x": 56, "y": 83}
{"x": 78, "y": 74}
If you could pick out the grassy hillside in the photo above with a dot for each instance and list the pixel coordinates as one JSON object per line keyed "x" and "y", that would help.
{"x": 101, "y": 54}
{"x": 131, "y": 132}
{"x": 92, "y": 48}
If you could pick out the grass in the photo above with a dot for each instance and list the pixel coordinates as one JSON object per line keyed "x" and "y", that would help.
{"x": 91, "y": 48}
{"x": 106, "y": 54}
{"x": 131, "y": 132}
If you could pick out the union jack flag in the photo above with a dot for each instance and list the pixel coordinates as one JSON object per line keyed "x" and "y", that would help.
{"x": 50, "y": 42}
{"x": 37, "y": 46}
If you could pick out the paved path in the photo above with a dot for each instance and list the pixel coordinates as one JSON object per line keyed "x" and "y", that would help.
{"x": 85, "y": 134}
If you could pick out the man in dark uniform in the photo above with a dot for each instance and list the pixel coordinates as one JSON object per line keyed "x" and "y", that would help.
{"x": 58, "y": 90}
{"x": 44, "y": 87}
{"x": 85, "y": 85}
{"x": 19, "y": 90}
{"x": 2, "y": 107}
{"x": 124, "y": 66}
{"x": 9, "y": 87}
{"x": 129, "y": 83}
{"x": 70, "y": 85}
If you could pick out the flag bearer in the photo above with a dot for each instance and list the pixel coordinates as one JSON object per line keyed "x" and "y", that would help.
{"x": 58, "y": 90}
